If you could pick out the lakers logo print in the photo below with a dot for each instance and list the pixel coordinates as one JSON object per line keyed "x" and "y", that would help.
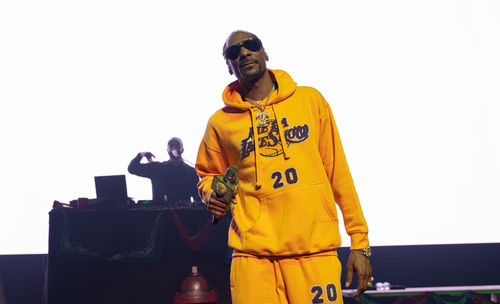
{"x": 268, "y": 138}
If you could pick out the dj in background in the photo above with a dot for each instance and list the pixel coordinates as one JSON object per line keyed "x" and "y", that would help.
{"x": 171, "y": 180}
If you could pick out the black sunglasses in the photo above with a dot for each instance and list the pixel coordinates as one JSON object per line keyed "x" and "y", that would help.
{"x": 252, "y": 44}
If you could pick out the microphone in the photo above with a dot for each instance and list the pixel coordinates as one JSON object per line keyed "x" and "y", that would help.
{"x": 226, "y": 187}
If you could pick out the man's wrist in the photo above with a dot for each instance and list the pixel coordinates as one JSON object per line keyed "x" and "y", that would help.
{"x": 367, "y": 252}
{"x": 207, "y": 196}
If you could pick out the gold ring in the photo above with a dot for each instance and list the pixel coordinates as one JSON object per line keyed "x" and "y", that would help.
{"x": 372, "y": 278}
{"x": 370, "y": 284}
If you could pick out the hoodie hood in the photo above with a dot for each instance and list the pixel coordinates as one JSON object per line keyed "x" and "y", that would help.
{"x": 286, "y": 87}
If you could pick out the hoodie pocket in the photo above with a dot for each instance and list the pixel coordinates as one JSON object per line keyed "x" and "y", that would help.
{"x": 296, "y": 221}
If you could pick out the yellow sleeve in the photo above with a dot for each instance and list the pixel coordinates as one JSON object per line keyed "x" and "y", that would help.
{"x": 210, "y": 161}
{"x": 336, "y": 167}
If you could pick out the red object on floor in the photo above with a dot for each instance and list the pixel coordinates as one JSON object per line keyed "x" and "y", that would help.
{"x": 195, "y": 289}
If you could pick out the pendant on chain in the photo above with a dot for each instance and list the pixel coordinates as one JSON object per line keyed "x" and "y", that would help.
{"x": 263, "y": 119}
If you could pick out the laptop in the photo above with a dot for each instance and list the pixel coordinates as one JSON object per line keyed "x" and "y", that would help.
{"x": 112, "y": 187}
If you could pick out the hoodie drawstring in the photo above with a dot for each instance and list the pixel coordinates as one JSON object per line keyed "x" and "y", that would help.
{"x": 255, "y": 140}
{"x": 284, "y": 144}
{"x": 256, "y": 148}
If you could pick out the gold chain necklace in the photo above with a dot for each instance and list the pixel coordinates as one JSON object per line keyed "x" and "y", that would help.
{"x": 262, "y": 116}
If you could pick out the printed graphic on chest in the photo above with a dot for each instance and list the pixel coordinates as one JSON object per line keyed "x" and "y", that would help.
{"x": 269, "y": 139}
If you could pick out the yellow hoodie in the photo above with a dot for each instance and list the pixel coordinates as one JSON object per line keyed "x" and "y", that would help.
{"x": 288, "y": 188}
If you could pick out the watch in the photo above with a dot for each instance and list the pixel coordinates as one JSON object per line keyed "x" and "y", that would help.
{"x": 367, "y": 252}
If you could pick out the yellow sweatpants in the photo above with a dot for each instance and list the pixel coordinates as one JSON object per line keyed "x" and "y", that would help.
{"x": 298, "y": 280}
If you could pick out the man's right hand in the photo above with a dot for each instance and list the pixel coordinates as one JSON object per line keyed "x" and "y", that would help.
{"x": 217, "y": 206}
{"x": 148, "y": 155}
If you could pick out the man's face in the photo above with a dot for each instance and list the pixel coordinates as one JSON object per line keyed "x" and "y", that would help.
{"x": 248, "y": 65}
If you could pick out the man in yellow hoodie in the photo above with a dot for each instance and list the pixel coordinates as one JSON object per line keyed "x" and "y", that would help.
{"x": 292, "y": 170}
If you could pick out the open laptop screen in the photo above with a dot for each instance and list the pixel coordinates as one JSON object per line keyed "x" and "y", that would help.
{"x": 111, "y": 186}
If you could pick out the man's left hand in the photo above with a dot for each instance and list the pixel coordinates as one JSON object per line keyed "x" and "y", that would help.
{"x": 359, "y": 264}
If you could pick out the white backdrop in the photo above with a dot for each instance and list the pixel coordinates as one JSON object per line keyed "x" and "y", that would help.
{"x": 414, "y": 86}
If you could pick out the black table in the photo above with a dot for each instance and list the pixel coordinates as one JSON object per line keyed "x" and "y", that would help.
{"x": 133, "y": 255}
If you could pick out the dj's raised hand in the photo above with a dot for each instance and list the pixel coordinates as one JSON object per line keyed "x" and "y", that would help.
{"x": 148, "y": 155}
